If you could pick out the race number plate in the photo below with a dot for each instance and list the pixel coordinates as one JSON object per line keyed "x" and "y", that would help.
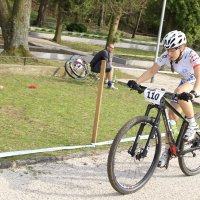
{"x": 153, "y": 95}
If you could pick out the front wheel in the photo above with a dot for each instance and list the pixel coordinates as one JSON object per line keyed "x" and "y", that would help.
{"x": 128, "y": 169}
{"x": 189, "y": 159}
{"x": 76, "y": 70}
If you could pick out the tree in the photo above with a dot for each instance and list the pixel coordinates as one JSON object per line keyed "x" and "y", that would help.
{"x": 182, "y": 15}
{"x": 41, "y": 13}
{"x": 141, "y": 7}
{"x": 63, "y": 8}
{"x": 59, "y": 24}
{"x": 114, "y": 27}
{"x": 75, "y": 8}
{"x": 186, "y": 17}
{"x": 151, "y": 17}
{"x": 14, "y": 22}
{"x": 119, "y": 8}
{"x": 101, "y": 13}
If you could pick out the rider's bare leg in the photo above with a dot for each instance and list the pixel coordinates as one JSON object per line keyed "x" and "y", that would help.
{"x": 188, "y": 110}
{"x": 182, "y": 105}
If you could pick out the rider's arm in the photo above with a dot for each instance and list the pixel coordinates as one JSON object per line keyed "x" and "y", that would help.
{"x": 148, "y": 74}
{"x": 197, "y": 76}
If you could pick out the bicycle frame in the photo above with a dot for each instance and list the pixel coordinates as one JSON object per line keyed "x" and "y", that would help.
{"x": 131, "y": 166}
{"x": 161, "y": 111}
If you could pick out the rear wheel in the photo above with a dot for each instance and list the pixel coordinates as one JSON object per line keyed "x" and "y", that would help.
{"x": 76, "y": 67}
{"x": 189, "y": 162}
{"x": 79, "y": 70}
{"x": 127, "y": 173}
{"x": 68, "y": 70}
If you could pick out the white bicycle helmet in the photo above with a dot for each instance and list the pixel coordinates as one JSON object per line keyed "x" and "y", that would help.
{"x": 174, "y": 39}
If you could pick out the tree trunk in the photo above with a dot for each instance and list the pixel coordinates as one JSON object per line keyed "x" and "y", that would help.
{"x": 101, "y": 15}
{"x": 137, "y": 24}
{"x": 170, "y": 22}
{"x": 114, "y": 27}
{"x": 76, "y": 17}
{"x": 14, "y": 21}
{"x": 55, "y": 6}
{"x": 60, "y": 19}
{"x": 41, "y": 13}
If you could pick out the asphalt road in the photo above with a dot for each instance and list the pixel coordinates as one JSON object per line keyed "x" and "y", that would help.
{"x": 86, "y": 178}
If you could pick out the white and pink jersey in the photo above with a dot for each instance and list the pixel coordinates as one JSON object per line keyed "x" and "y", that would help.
{"x": 185, "y": 67}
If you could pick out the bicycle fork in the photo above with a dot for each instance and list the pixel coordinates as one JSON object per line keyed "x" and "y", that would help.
{"x": 143, "y": 151}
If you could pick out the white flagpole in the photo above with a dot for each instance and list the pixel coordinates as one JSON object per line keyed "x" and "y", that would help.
{"x": 160, "y": 32}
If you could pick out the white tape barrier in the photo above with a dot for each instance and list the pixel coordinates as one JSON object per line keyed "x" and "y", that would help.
{"x": 26, "y": 152}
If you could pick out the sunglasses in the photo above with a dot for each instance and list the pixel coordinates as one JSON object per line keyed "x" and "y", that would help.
{"x": 172, "y": 50}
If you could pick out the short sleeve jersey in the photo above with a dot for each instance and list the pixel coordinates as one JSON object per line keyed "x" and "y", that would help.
{"x": 185, "y": 67}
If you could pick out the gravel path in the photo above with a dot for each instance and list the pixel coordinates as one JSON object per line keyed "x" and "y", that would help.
{"x": 86, "y": 178}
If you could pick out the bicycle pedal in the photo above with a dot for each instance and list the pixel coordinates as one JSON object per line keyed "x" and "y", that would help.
{"x": 164, "y": 166}
{"x": 159, "y": 165}
{"x": 167, "y": 164}
{"x": 195, "y": 143}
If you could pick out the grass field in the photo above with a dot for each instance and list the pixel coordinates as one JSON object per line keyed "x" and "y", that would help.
{"x": 59, "y": 112}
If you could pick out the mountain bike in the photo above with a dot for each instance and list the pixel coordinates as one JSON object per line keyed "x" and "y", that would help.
{"x": 135, "y": 151}
{"x": 78, "y": 68}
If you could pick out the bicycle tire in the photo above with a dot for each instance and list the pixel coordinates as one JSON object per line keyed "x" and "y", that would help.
{"x": 190, "y": 162}
{"x": 77, "y": 67}
{"x": 79, "y": 70}
{"x": 69, "y": 71}
{"x": 127, "y": 180}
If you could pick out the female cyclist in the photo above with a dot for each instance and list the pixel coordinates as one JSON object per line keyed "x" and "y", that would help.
{"x": 185, "y": 62}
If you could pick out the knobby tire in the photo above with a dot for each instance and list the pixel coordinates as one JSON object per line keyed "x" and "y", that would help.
{"x": 128, "y": 173}
{"x": 190, "y": 162}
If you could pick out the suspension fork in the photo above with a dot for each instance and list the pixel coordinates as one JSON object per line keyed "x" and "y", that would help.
{"x": 133, "y": 148}
{"x": 155, "y": 128}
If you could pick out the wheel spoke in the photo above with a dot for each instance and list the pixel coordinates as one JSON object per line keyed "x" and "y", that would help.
{"x": 129, "y": 172}
{"x": 189, "y": 161}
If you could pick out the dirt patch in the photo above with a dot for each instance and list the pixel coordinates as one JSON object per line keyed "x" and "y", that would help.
{"x": 12, "y": 112}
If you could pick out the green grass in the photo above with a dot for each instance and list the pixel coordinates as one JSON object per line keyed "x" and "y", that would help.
{"x": 30, "y": 61}
{"x": 60, "y": 112}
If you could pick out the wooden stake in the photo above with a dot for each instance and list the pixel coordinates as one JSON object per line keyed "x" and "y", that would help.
{"x": 99, "y": 100}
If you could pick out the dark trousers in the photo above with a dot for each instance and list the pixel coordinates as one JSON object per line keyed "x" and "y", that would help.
{"x": 97, "y": 68}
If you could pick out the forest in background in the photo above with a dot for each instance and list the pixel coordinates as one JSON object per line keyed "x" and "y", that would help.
{"x": 114, "y": 18}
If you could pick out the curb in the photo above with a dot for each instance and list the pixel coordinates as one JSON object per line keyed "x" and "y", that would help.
{"x": 47, "y": 159}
